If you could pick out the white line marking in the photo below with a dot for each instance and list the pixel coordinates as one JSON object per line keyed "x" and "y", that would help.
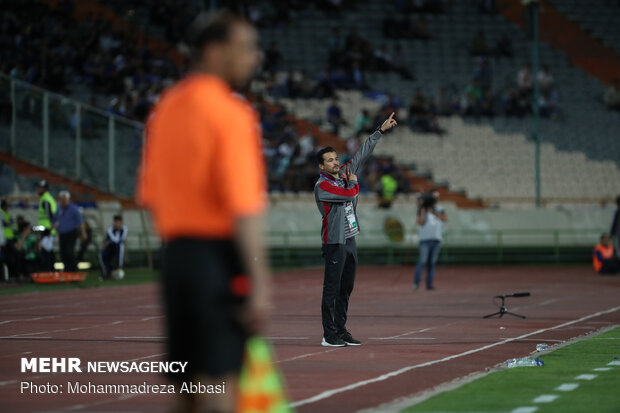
{"x": 25, "y": 338}
{"x": 614, "y": 363}
{"x": 151, "y": 318}
{"x": 28, "y": 319}
{"x": 525, "y": 409}
{"x": 329, "y": 393}
{"x": 401, "y": 335}
{"x": 303, "y": 356}
{"x": 542, "y": 340}
{"x": 586, "y": 377}
{"x": 545, "y": 398}
{"x": 567, "y": 387}
{"x": 602, "y": 369}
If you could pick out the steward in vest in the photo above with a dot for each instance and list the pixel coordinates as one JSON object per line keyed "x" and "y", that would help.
{"x": 8, "y": 224}
{"x": 47, "y": 206}
{"x": 604, "y": 257}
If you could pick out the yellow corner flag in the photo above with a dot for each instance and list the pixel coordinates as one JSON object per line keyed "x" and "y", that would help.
{"x": 261, "y": 389}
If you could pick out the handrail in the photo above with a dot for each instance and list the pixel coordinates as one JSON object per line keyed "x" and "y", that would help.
{"x": 72, "y": 100}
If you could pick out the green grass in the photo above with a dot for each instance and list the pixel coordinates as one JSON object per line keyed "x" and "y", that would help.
{"x": 132, "y": 276}
{"x": 504, "y": 390}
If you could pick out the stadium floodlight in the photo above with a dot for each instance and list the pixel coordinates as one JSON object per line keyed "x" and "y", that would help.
{"x": 502, "y": 308}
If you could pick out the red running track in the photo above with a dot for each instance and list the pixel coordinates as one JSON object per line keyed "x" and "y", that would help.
{"x": 413, "y": 341}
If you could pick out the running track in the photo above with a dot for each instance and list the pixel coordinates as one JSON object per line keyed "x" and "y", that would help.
{"x": 412, "y": 341}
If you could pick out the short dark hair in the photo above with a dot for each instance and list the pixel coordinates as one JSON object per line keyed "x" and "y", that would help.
{"x": 118, "y": 217}
{"x": 604, "y": 235}
{"x": 211, "y": 27}
{"x": 319, "y": 154}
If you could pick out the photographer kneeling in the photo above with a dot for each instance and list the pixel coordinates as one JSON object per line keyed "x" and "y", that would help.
{"x": 430, "y": 219}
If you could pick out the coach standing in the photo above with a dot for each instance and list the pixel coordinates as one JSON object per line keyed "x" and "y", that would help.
{"x": 203, "y": 179}
{"x": 69, "y": 225}
{"x": 336, "y": 193}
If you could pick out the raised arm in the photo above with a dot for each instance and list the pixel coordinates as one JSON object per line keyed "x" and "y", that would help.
{"x": 368, "y": 147}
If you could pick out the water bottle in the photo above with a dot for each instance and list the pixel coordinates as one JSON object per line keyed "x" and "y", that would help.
{"x": 524, "y": 362}
{"x": 542, "y": 347}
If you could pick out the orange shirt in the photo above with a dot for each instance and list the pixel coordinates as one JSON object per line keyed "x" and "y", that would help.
{"x": 202, "y": 165}
{"x": 607, "y": 252}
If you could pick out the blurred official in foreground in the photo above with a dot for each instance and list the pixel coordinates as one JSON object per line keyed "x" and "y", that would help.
{"x": 203, "y": 179}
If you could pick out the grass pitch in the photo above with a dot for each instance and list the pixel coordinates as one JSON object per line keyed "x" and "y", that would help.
{"x": 519, "y": 390}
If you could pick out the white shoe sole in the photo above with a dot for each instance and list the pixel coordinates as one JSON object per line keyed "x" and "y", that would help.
{"x": 353, "y": 344}
{"x": 326, "y": 344}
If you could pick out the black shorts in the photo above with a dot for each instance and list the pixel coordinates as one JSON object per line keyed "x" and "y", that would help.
{"x": 201, "y": 308}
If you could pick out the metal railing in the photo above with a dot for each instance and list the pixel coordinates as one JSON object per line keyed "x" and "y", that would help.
{"x": 68, "y": 137}
{"x": 298, "y": 248}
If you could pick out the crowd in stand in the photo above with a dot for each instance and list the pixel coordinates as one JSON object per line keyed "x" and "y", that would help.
{"x": 38, "y": 49}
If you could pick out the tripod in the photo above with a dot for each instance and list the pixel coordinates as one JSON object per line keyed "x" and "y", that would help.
{"x": 503, "y": 310}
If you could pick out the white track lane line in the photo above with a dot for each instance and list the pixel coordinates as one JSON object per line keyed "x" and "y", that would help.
{"x": 602, "y": 369}
{"x": 28, "y": 319}
{"x": 614, "y": 363}
{"x": 329, "y": 393}
{"x": 545, "y": 398}
{"x": 525, "y": 409}
{"x": 586, "y": 377}
{"x": 404, "y": 334}
{"x": 567, "y": 387}
{"x": 303, "y": 356}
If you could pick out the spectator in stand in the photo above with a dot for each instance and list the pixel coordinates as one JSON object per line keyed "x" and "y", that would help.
{"x": 334, "y": 116}
{"x": 363, "y": 122}
{"x": 479, "y": 45}
{"x": 525, "y": 80}
{"x": 545, "y": 79}
{"x": 483, "y": 74}
{"x": 604, "y": 257}
{"x": 549, "y": 103}
{"x": 357, "y": 77}
{"x": 473, "y": 99}
{"x": 612, "y": 95}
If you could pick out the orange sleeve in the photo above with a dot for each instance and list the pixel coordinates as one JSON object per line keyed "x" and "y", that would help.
{"x": 242, "y": 162}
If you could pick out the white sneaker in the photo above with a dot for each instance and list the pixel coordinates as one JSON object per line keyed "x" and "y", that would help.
{"x": 338, "y": 342}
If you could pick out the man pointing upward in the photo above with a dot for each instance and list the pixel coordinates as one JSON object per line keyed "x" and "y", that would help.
{"x": 336, "y": 194}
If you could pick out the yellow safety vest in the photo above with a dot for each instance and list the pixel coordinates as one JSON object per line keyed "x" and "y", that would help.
{"x": 44, "y": 219}
{"x": 7, "y": 225}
